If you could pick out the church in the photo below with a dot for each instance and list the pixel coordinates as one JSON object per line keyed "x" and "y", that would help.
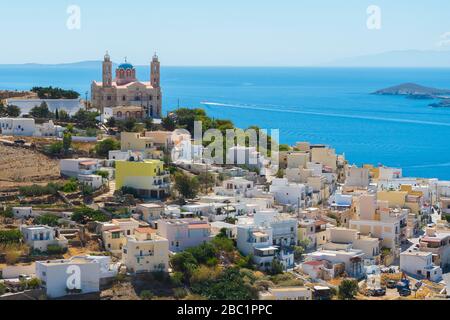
{"x": 125, "y": 90}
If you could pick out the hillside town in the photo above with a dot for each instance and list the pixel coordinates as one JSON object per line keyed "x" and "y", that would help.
{"x": 118, "y": 202}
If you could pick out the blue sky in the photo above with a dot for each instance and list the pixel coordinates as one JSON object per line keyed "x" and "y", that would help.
{"x": 232, "y": 32}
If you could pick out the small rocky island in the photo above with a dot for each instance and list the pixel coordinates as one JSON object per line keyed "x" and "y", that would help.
{"x": 415, "y": 91}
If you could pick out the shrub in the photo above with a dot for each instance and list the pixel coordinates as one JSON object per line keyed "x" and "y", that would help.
{"x": 55, "y": 250}
{"x": 12, "y": 256}
{"x": 10, "y": 236}
{"x": 34, "y": 283}
{"x": 179, "y": 293}
{"x": 38, "y": 191}
{"x": 348, "y": 289}
{"x": 70, "y": 186}
{"x": 47, "y": 220}
{"x": 2, "y": 289}
{"x": 147, "y": 295}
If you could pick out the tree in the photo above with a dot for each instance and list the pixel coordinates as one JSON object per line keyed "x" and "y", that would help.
{"x": 3, "y": 112}
{"x": 56, "y": 148}
{"x": 70, "y": 186}
{"x": 229, "y": 285}
{"x": 103, "y": 147}
{"x": 13, "y": 111}
{"x": 146, "y": 295}
{"x": 128, "y": 125}
{"x": 85, "y": 119}
{"x": 42, "y": 111}
{"x": 149, "y": 124}
{"x": 67, "y": 142}
{"x": 168, "y": 123}
{"x": 187, "y": 187}
{"x": 102, "y": 173}
{"x": 348, "y": 289}
{"x": 47, "y": 220}
{"x": 55, "y": 93}
{"x": 276, "y": 267}
{"x": 63, "y": 116}
{"x": 111, "y": 122}
{"x": 57, "y": 114}
{"x": 184, "y": 262}
{"x": 298, "y": 253}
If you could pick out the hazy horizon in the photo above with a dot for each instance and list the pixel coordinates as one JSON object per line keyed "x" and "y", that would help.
{"x": 205, "y": 33}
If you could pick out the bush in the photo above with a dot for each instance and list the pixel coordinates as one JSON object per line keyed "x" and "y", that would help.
{"x": 186, "y": 186}
{"x": 85, "y": 214}
{"x": 2, "y": 289}
{"x": 348, "y": 289}
{"x": 12, "y": 256}
{"x": 179, "y": 293}
{"x": 103, "y": 147}
{"x": 47, "y": 220}
{"x": 55, "y": 250}
{"x": 10, "y": 236}
{"x": 34, "y": 283}
{"x": 70, "y": 186}
{"x": 147, "y": 295}
{"x": 184, "y": 262}
{"x": 38, "y": 191}
{"x": 203, "y": 253}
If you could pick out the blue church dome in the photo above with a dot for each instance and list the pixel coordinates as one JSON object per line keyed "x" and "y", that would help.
{"x": 126, "y": 66}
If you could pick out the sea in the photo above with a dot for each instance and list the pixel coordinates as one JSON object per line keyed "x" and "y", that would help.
{"x": 332, "y": 106}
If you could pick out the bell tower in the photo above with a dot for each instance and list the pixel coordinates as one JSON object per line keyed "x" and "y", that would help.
{"x": 107, "y": 71}
{"x": 155, "y": 75}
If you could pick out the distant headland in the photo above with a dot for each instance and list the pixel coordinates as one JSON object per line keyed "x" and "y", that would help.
{"x": 415, "y": 91}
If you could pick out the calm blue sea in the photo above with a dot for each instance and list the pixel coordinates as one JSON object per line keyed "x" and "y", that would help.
{"x": 323, "y": 105}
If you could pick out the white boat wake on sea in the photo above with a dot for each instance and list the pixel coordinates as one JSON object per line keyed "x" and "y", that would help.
{"x": 335, "y": 115}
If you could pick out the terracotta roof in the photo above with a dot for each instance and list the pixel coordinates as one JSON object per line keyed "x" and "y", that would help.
{"x": 199, "y": 226}
{"x": 146, "y": 230}
{"x": 314, "y": 263}
{"x": 88, "y": 163}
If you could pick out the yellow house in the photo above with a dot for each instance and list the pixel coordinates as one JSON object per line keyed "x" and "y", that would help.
{"x": 145, "y": 251}
{"x": 394, "y": 198}
{"x": 132, "y": 141}
{"x": 147, "y": 177}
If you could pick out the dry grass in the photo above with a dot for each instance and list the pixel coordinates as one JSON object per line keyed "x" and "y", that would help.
{"x": 20, "y": 166}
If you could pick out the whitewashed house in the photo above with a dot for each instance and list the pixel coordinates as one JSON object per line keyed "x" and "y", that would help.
{"x": 40, "y": 237}
{"x": 17, "y": 127}
{"x": 77, "y": 275}
{"x": 286, "y": 193}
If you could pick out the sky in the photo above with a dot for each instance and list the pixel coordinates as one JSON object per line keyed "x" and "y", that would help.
{"x": 218, "y": 33}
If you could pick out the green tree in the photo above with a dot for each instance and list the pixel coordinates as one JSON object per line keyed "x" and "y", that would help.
{"x": 229, "y": 285}
{"x": 102, "y": 173}
{"x": 47, "y": 220}
{"x": 187, "y": 187}
{"x": 146, "y": 295}
{"x": 42, "y": 111}
{"x": 128, "y": 125}
{"x": 3, "y": 112}
{"x": 85, "y": 119}
{"x": 63, "y": 115}
{"x": 348, "y": 289}
{"x": 13, "y": 111}
{"x": 149, "y": 125}
{"x": 70, "y": 186}
{"x": 111, "y": 122}
{"x": 103, "y": 147}
{"x": 168, "y": 124}
{"x": 56, "y": 148}
{"x": 183, "y": 262}
{"x": 67, "y": 142}
{"x": 276, "y": 267}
